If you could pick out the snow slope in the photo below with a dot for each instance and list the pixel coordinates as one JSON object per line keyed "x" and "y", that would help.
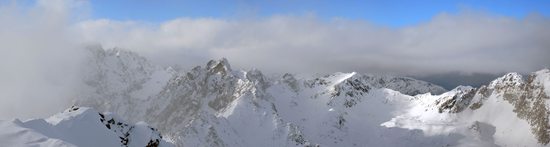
{"x": 79, "y": 126}
{"x": 510, "y": 111}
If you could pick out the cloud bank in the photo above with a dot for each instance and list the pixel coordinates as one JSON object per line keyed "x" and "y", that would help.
{"x": 41, "y": 47}
{"x": 469, "y": 42}
{"x": 39, "y": 58}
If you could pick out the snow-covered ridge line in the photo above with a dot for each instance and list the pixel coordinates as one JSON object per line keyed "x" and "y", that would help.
{"x": 79, "y": 126}
{"x": 214, "y": 105}
{"x": 186, "y": 99}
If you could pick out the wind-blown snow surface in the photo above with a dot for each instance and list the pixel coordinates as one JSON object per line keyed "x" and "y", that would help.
{"x": 83, "y": 127}
{"x": 215, "y": 105}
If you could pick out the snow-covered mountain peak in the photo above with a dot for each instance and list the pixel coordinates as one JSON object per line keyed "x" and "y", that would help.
{"x": 361, "y": 83}
{"x": 544, "y": 71}
{"x": 215, "y": 105}
{"x": 258, "y": 78}
{"x": 338, "y": 78}
{"x": 508, "y": 80}
{"x": 508, "y": 104}
{"x": 291, "y": 81}
{"x": 462, "y": 88}
{"x": 405, "y": 85}
{"x": 219, "y": 66}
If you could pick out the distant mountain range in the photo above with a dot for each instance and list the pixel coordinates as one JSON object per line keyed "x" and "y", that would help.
{"x": 215, "y": 105}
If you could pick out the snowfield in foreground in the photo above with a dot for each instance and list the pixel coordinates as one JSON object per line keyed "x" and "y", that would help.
{"x": 79, "y": 126}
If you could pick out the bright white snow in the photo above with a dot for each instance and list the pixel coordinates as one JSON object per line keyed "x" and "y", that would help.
{"x": 80, "y": 127}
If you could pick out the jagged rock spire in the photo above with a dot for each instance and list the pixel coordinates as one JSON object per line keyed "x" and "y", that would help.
{"x": 219, "y": 66}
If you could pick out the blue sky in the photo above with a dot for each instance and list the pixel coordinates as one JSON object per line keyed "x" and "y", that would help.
{"x": 392, "y": 13}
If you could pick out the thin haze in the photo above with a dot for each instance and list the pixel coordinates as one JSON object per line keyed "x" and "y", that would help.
{"x": 41, "y": 46}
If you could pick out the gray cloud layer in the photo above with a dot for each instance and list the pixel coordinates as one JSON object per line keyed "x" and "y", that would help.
{"x": 41, "y": 47}
{"x": 466, "y": 42}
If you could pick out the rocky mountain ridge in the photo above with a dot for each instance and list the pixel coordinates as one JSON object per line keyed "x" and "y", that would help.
{"x": 529, "y": 98}
{"x": 216, "y": 105}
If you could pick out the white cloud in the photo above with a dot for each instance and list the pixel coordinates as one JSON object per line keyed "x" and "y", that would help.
{"x": 41, "y": 47}
{"x": 38, "y": 60}
{"x": 466, "y": 42}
